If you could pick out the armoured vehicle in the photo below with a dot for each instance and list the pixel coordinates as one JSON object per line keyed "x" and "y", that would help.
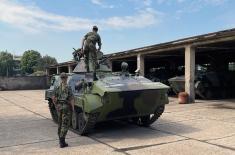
{"x": 111, "y": 96}
{"x": 159, "y": 74}
{"x": 209, "y": 84}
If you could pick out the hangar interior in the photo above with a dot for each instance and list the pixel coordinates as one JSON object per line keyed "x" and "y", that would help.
{"x": 219, "y": 56}
{"x": 210, "y": 60}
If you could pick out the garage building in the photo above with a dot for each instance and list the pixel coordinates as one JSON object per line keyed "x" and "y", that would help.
{"x": 217, "y": 48}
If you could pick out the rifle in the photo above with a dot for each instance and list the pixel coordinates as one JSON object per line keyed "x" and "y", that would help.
{"x": 104, "y": 59}
{"x": 78, "y": 54}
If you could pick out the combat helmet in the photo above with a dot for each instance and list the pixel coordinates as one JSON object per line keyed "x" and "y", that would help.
{"x": 63, "y": 75}
{"x": 124, "y": 66}
{"x": 95, "y": 28}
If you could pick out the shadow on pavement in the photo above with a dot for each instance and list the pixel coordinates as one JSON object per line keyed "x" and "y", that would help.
{"x": 116, "y": 130}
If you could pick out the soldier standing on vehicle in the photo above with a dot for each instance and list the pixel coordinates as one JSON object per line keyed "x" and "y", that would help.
{"x": 89, "y": 48}
{"x": 64, "y": 102}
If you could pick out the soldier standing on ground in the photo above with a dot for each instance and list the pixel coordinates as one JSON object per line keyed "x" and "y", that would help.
{"x": 89, "y": 48}
{"x": 64, "y": 102}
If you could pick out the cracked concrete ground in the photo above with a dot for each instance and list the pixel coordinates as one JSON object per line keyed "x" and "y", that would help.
{"x": 206, "y": 127}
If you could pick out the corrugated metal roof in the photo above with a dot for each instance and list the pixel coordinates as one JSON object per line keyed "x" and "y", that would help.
{"x": 184, "y": 41}
{"x": 63, "y": 64}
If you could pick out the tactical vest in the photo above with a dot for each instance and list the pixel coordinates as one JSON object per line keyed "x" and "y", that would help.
{"x": 92, "y": 38}
{"x": 62, "y": 95}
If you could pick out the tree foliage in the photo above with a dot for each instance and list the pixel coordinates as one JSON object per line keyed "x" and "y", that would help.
{"x": 46, "y": 61}
{"x": 6, "y": 64}
{"x": 30, "y": 61}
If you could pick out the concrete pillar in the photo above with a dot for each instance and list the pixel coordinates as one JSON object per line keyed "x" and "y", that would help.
{"x": 47, "y": 71}
{"x": 190, "y": 72}
{"x": 110, "y": 64}
{"x": 140, "y": 64}
{"x": 57, "y": 70}
{"x": 70, "y": 68}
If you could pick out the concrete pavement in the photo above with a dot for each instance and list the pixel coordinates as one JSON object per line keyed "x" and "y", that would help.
{"x": 206, "y": 127}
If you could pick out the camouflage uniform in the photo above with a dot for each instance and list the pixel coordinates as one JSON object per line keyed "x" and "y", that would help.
{"x": 90, "y": 49}
{"x": 63, "y": 94}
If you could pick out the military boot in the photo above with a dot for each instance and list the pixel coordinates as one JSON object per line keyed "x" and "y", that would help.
{"x": 62, "y": 143}
{"x": 65, "y": 142}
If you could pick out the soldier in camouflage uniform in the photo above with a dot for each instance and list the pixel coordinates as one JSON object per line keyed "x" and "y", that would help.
{"x": 89, "y": 48}
{"x": 63, "y": 100}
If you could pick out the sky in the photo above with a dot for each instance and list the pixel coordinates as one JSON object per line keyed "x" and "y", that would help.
{"x": 54, "y": 27}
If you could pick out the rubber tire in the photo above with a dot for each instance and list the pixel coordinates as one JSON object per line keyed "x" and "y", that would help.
{"x": 203, "y": 90}
{"x": 209, "y": 95}
{"x": 81, "y": 124}
{"x": 74, "y": 120}
{"x": 148, "y": 119}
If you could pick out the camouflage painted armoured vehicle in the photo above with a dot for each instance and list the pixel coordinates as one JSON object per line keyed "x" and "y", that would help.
{"x": 112, "y": 96}
{"x": 209, "y": 84}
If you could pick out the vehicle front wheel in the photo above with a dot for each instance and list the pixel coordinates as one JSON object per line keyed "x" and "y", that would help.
{"x": 82, "y": 123}
{"x": 203, "y": 89}
{"x": 75, "y": 120}
{"x": 149, "y": 119}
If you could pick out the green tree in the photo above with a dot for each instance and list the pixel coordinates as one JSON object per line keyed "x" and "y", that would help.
{"x": 6, "y": 64}
{"x": 46, "y": 61}
{"x": 30, "y": 61}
